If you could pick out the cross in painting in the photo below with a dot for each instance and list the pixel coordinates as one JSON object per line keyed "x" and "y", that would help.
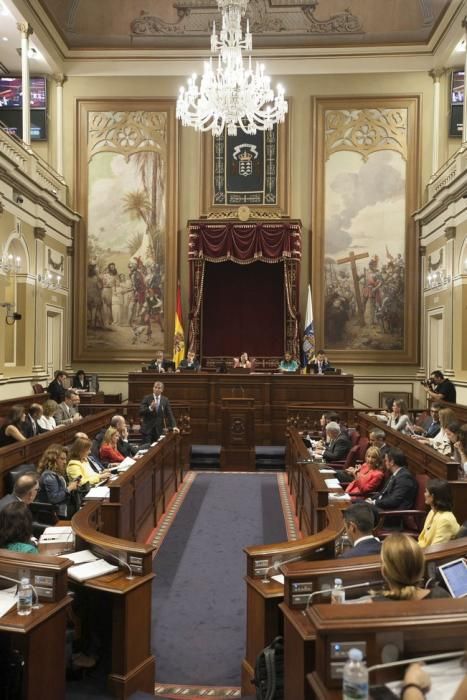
{"x": 352, "y": 258}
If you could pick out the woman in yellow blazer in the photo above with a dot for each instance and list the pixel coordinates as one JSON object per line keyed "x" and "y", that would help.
{"x": 78, "y": 465}
{"x": 440, "y": 524}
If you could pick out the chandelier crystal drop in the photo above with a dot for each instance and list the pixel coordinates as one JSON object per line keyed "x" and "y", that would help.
{"x": 231, "y": 93}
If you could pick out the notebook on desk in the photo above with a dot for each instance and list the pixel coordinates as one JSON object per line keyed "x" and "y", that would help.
{"x": 92, "y": 569}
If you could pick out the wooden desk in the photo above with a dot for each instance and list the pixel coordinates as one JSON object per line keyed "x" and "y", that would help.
{"x": 40, "y": 637}
{"x": 302, "y": 578}
{"x": 132, "y": 665}
{"x": 271, "y": 393}
{"x": 30, "y": 451}
{"x": 139, "y": 496}
{"x": 7, "y": 404}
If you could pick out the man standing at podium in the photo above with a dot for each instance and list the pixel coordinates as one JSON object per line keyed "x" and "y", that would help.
{"x": 156, "y": 414}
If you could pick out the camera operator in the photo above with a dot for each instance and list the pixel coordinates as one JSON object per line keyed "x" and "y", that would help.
{"x": 439, "y": 388}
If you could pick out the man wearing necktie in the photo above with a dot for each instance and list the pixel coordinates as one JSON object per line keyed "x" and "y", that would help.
{"x": 156, "y": 414}
{"x": 400, "y": 490}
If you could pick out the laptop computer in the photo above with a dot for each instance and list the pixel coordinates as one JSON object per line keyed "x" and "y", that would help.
{"x": 454, "y": 575}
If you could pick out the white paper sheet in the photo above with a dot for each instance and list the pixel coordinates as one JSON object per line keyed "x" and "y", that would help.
{"x": 81, "y": 557}
{"x": 92, "y": 569}
{"x": 7, "y": 600}
{"x": 332, "y": 483}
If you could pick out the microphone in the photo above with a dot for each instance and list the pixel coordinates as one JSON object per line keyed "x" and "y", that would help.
{"x": 36, "y": 605}
{"x": 276, "y": 565}
{"x": 406, "y": 662}
{"x": 329, "y": 590}
{"x": 130, "y": 576}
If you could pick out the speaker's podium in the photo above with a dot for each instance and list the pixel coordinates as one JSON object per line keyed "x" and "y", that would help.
{"x": 238, "y": 434}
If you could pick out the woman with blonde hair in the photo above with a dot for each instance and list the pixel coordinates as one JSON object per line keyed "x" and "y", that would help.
{"x": 47, "y": 420}
{"x": 367, "y": 477}
{"x": 78, "y": 464}
{"x": 53, "y": 486}
{"x": 441, "y": 442}
{"x": 403, "y": 567}
{"x": 108, "y": 452}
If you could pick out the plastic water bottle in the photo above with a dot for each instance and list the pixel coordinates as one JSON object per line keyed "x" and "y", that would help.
{"x": 355, "y": 677}
{"x": 24, "y": 604}
{"x": 337, "y": 593}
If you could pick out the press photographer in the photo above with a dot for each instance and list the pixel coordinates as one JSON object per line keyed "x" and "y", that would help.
{"x": 439, "y": 388}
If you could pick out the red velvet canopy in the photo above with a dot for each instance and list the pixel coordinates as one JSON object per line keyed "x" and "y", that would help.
{"x": 272, "y": 242}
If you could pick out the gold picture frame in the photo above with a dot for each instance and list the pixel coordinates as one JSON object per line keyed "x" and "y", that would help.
{"x": 358, "y": 270}
{"x": 126, "y": 192}
{"x": 262, "y": 210}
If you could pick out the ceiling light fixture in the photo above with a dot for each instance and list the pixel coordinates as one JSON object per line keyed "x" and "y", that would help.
{"x": 231, "y": 93}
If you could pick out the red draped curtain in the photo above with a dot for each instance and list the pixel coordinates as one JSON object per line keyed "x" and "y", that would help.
{"x": 255, "y": 310}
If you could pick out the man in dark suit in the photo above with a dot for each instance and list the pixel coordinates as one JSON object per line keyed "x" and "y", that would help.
{"x": 31, "y": 427}
{"x": 25, "y": 490}
{"x": 160, "y": 365}
{"x": 377, "y": 438}
{"x": 338, "y": 443}
{"x": 320, "y": 364}
{"x": 190, "y": 362}
{"x": 359, "y": 524}
{"x": 156, "y": 414}
{"x": 56, "y": 388}
{"x": 401, "y": 488}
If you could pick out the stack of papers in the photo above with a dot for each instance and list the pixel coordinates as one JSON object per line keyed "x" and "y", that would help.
{"x": 97, "y": 492}
{"x": 327, "y": 471}
{"x": 57, "y": 535}
{"x": 92, "y": 569}
{"x": 339, "y": 497}
{"x": 332, "y": 483}
{"x": 126, "y": 464}
{"x": 7, "y": 600}
{"x": 81, "y": 557}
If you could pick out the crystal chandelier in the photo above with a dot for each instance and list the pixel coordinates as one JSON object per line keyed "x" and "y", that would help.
{"x": 231, "y": 92}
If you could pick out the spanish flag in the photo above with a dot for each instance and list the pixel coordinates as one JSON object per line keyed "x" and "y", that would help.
{"x": 179, "y": 337}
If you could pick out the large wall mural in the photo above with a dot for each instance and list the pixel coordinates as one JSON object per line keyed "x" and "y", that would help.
{"x": 366, "y": 187}
{"x": 126, "y": 183}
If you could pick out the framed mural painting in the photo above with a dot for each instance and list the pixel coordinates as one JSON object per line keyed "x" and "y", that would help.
{"x": 248, "y": 172}
{"x": 126, "y": 251}
{"x": 364, "y": 248}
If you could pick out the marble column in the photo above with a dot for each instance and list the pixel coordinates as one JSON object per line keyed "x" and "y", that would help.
{"x": 59, "y": 79}
{"x": 38, "y": 368}
{"x": 421, "y": 372}
{"x": 68, "y": 308}
{"x": 464, "y": 122}
{"x": 26, "y": 31}
{"x": 450, "y": 234}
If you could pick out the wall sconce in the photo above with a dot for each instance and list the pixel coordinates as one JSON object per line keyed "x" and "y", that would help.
{"x": 437, "y": 278}
{"x": 11, "y": 314}
{"x": 48, "y": 280}
{"x": 9, "y": 263}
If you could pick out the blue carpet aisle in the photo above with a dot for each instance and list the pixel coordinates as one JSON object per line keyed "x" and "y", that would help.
{"x": 199, "y": 594}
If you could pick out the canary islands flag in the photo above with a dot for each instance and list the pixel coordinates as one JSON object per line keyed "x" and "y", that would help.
{"x": 179, "y": 337}
{"x": 308, "y": 344}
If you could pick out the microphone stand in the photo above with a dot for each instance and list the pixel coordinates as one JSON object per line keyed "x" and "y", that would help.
{"x": 276, "y": 566}
{"x": 329, "y": 590}
{"x": 130, "y": 576}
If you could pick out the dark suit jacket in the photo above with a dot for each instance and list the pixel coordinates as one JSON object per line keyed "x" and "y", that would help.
{"x": 77, "y": 384}
{"x": 338, "y": 449}
{"x": 194, "y": 366}
{"x": 154, "y": 422}
{"x": 314, "y": 367}
{"x": 56, "y": 391}
{"x": 363, "y": 549}
{"x": 399, "y": 492}
{"x": 9, "y": 498}
{"x": 167, "y": 366}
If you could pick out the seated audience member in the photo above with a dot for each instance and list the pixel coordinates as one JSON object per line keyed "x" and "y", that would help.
{"x": 319, "y": 364}
{"x": 243, "y": 361}
{"x": 453, "y": 433}
{"x": 16, "y": 529}
{"x": 401, "y": 488}
{"x": 359, "y": 524}
{"x": 440, "y": 524}
{"x": 433, "y": 428}
{"x": 368, "y": 477}
{"x": 288, "y": 364}
{"x": 53, "y": 487}
{"x": 439, "y": 388}
{"x": 108, "y": 452}
{"x": 80, "y": 383}
{"x": 93, "y": 461}
{"x": 13, "y": 429}
{"x": 25, "y": 490}
{"x": 398, "y": 419}
{"x": 126, "y": 448}
{"x": 67, "y": 411}
{"x": 403, "y": 567}
{"x": 78, "y": 464}
{"x": 377, "y": 438}
{"x": 440, "y": 442}
{"x": 159, "y": 364}
{"x": 190, "y": 362}
{"x": 56, "y": 388}
{"x": 47, "y": 420}
{"x": 461, "y": 446}
{"x": 338, "y": 443}
{"x": 31, "y": 422}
